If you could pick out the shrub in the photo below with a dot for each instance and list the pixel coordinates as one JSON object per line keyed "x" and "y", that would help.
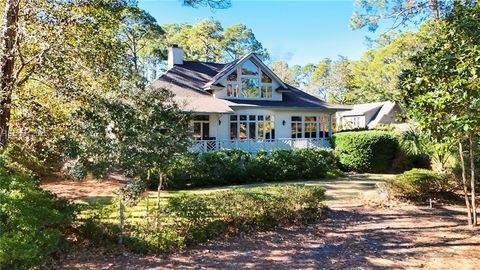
{"x": 366, "y": 151}
{"x": 31, "y": 221}
{"x": 236, "y": 167}
{"x": 420, "y": 184}
{"x": 194, "y": 218}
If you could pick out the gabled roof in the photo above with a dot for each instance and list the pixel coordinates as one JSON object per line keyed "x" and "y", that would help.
{"x": 361, "y": 109}
{"x": 188, "y": 81}
{"x": 232, "y": 66}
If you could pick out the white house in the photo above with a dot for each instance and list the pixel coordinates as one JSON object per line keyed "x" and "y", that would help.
{"x": 243, "y": 104}
{"x": 369, "y": 115}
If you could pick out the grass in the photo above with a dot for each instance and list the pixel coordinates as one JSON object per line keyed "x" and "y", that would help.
{"x": 343, "y": 190}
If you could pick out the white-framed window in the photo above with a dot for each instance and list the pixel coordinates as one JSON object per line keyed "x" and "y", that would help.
{"x": 252, "y": 127}
{"x": 201, "y": 127}
{"x": 310, "y": 127}
{"x": 249, "y": 81}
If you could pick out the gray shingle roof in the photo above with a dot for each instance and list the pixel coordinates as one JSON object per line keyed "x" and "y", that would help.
{"x": 187, "y": 82}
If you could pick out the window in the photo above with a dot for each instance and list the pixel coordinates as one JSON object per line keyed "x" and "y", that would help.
{"x": 310, "y": 127}
{"x": 232, "y": 90}
{"x": 266, "y": 92}
{"x": 310, "y": 130}
{"x": 249, "y": 82}
{"x": 296, "y": 127}
{"x": 249, "y": 68}
{"x": 201, "y": 127}
{"x": 250, "y": 88}
{"x": 252, "y": 127}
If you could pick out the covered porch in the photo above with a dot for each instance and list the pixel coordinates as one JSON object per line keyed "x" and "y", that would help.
{"x": 253, "y": 145}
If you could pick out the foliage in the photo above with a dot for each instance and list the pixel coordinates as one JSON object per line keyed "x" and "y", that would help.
{"x": 366, "y": 151}
{"x": 189, "y": 219}
{"x": 32, "y": 221}
{"x": 441, "y": 90}
{"x": 236, "y": 166}
{"x": 401, "y": 13}
{"x": 138, "y": 130}
{"x": 208, "y": 41}
{"x": 330, "y": 80}
{"x": 420, "y": 185}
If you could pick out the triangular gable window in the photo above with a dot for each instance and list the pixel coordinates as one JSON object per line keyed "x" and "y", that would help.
{"x": 249, "y": 69}
{"x": 248, "y": 82}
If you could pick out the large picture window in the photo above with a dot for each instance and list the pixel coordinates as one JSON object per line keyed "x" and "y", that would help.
{"x": 310, "y": 127}
{"x": 249, "y": 81}
{"x": 252, "y": 127}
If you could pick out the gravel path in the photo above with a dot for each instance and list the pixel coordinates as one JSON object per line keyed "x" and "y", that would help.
{"x": 350, "y": 237}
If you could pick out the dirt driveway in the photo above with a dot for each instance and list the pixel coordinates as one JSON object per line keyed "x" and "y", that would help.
{"x": 351, "y": 236}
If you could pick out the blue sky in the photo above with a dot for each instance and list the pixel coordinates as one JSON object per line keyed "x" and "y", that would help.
{"x": 299, "y": 32}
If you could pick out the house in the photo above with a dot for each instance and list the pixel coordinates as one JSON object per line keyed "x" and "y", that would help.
{"x": 243, "y": 104}
{"x": 369, "y": 115}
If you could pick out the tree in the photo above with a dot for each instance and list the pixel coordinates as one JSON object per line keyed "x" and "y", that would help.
{"x": 376, "y": 74}
{"x": 442, "y": 90}
{"x": 208, "y": 41}
{"x": 140, "y": 34}
{"x": 338, "y": 85}
{"x": 288, "y": 74}
{"x": 59, "y": 60}
{"x": 400, "y": 13}
{"x": 239, "y": 40}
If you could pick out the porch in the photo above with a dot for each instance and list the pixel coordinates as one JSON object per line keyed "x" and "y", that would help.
{"x": 253, "y": 146}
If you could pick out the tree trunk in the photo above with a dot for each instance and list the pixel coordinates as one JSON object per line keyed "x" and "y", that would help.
{"x": 122, "y": 222}
{"x": 7, "y": 62}
{"x": 147, "y": 198}
{"x": 435, "y": 9}
{"x": 473, "y": 182}
{"x": 160, "y": 183}
{"x": 464, "y": 182}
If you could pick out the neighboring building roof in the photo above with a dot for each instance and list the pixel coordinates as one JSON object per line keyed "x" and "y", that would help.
{"x": 188, "y": 82}
{"x": 382, "y": 112}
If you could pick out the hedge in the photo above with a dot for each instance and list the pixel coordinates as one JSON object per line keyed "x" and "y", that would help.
{"x": 420, "y": 185}
{"x": 237, "y": 167}
{"x": 366, "y": 151}
{"x": 189, "y": 219}
{"x": 32, "y": 221}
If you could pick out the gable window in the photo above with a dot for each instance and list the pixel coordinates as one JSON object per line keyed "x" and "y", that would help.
{"x": 252, "y": 127}
{"x": 232, "y": 89}
{"x": 249, "y": 81}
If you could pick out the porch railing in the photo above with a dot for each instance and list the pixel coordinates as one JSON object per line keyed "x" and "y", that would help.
{"x": 254, "y": 146}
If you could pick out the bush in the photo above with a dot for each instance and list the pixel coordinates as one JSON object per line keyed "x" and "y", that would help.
{"x": 420, "y": 185}
{"x": 237, "y": 167}
{"x": 31, "y": 221}
{"x": 190, "y": 219}
{"x": 366, "y": 151}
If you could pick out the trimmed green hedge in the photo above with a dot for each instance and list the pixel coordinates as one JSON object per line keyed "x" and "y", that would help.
{"x": 421, "y": 184}
{"x": 237, "y": 167}
{"x": 366, "y": 151}
{"x": 189, "y": 219}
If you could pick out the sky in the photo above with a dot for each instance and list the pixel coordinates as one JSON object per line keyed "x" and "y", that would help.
{"x": 298, "y": 32}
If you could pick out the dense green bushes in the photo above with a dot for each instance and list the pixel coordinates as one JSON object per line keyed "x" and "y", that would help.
{"x": 366, "y": 151}
{"x": 194, "y": 218}
{"x": 420, "y": 185}
{"x": 235, "y": 166}
{"x": 31, "y": 221}
{"x": 376, "y": 152}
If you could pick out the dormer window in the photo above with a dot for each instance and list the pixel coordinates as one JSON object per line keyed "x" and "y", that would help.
{"x": 249, "y": 81}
